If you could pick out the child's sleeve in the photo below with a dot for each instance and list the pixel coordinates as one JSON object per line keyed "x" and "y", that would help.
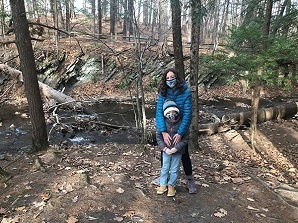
{"x": 160, "y": 141}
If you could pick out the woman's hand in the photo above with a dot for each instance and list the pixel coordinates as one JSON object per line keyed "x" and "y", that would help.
{"x": 177, "y": 138}
{"x": 166, "y": 138}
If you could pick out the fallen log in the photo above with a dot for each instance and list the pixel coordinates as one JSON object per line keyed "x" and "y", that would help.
{"x": 47, "y": 91}
{"x": 264, "y": 114}
{"x": 242, "y": 119}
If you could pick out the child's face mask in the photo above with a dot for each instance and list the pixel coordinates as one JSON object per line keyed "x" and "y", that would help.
{"x": 172, "y": 115}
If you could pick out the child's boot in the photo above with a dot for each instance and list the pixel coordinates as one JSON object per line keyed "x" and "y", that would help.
{"x": 161, "y": 189}
{"x": 171, "y": 191}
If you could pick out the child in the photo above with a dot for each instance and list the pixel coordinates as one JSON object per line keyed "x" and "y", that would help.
{"x": 171, "y": 155}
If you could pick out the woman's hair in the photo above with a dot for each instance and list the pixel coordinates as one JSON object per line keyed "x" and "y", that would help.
{"x": 162, "y": 88}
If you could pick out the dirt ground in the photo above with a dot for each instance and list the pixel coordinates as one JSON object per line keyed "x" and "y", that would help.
{"x": 112, "y": 182}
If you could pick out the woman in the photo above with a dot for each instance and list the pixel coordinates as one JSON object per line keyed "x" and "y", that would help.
{"x": 173, "y": 87}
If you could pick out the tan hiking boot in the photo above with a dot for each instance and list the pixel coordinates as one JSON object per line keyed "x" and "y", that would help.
{"x": 171, "y": 191}
{"x": 161, "y": 189}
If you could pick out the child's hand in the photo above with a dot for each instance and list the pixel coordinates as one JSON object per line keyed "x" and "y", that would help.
{"x": 168, "y": 151}
{"x": 173, "y": 150}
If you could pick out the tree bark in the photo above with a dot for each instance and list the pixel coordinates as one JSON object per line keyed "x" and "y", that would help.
{"x": 99, "y": 17}
{"x": 177, "y": 37}
{"x": 257, "y": 87}
{"x": 163, "y": 27}
{"x": 113, "y": 11}
{"x": 194, "y": 71}
{"x": 28, "y": 67}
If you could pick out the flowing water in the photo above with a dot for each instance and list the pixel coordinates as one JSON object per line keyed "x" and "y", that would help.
{"x": 15, "y": 128}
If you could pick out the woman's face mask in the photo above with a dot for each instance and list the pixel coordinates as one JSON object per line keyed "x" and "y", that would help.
{"x": 171, "y": 83}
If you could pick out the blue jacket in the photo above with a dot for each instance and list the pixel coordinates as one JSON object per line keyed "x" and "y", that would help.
{"x": 184, "y": 103}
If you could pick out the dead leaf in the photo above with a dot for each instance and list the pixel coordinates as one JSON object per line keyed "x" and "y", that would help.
{"x": 250, "y": 199}
{"x": 237, "y": 180}
{"x": 22, "y": 208}
{"x": 129, "y": 214}
{"x": 120, "y": 190}
{"x": 45, "y": 196}
{"x": 252, "y": 208}
{"x": 118, "y": 219}
{"x": 39, "y": 205}
{"x": 221, "y": 213}
{"x": 91, "y": 218}
{"x": 2, "y": 211}
{"x": 10, "y": 220}
{"x": 138, "y": 185}
{"x": 72, "y": 219}
{"x": 75, "y": 199}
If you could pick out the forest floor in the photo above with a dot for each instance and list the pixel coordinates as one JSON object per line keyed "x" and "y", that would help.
{"x": 112, "y": 182}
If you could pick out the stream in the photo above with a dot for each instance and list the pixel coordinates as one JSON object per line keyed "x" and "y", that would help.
{"x": 15, "y": 125}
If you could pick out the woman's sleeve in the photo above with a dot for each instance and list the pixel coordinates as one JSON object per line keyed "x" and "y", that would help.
{"x": 187, "y": 114}
{"x": 182, "y": 143}
{"x": 159, "y": 118}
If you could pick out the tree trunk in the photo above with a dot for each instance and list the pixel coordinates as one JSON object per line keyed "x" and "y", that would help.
{"x": 177, "y": 39}
{"x": 2, "y": 18}
{"x": 67, "y": 15}
{"x": 162, "y": 28}
{"x": 257, "y": 88}
{"x": 28, "y": 67}
{"x": 130, "y": 9}
{"x": 145, "y": 12}
{"x": 125, "y": 18}
{"x": 154, "y": 18}
{"x": 93, "y": 16}
{"x": 194, "y": 71}
{"x": 254, "y": 111}
{"x": 99, "y": 17}
{"x": 112, "y": 16}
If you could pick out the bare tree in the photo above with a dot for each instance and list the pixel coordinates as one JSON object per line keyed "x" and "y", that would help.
{"x": 67, "y": 15}
{"x": 28, "y": 68}
{"x": 2, "y": 17}
{"x": 113, "y": 11}
{"x": 99, "y": 16}
{"x": 257, "y": 86}
{"x": 163, "y": 27}
{"x": 93, "y": 15}
{"x": 177, "y": 37}
{"x": 130, "y": 17}
{"x": 194, "y": 70}
{"x": 145, "y": 12}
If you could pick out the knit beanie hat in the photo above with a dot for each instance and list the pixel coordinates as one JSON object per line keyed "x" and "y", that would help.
{"x": 169, "y": 106}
